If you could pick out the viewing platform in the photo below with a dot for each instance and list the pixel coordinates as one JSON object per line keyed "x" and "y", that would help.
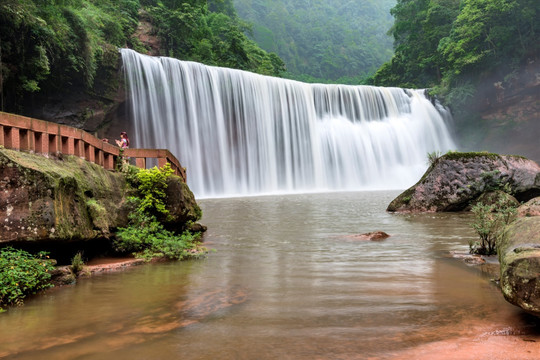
{"x": 47, "y": 138}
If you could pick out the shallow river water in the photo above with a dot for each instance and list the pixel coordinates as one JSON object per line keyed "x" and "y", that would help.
{"x": 287, "y": 282}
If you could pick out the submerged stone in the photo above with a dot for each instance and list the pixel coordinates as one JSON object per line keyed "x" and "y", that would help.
{"x": 370, "y": 236}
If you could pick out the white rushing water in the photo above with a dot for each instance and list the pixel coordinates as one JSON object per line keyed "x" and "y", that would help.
{"x": 240, "y": 133}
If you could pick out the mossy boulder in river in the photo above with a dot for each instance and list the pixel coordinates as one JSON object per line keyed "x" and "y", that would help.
{"x": 455, "y": 180}
{"x": 519, "y": 257}
{"x": 70, "y": 199}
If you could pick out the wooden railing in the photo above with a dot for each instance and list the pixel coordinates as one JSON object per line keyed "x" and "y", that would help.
{"x": 43, "y": 137}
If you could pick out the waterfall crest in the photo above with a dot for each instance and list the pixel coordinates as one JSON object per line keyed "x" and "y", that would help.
{"x": 240, "y": 133}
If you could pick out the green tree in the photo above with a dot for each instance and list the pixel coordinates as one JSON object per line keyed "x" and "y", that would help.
{"x": 487, "y": 33}
{"x": 461, "y": 49}
{"x": 418, "y": 28}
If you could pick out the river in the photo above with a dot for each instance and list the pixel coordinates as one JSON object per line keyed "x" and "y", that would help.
{"x": 287, "y": 281}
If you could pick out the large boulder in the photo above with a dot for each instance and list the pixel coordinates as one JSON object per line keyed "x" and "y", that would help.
{"x": 456, "y": 180}
{"x": 70, "y": 199}
{"x": 530, "y": 208}
{"x": 182, "y": 206}
{"x": 519, "y": 257}
{"x": 50, "y": 199}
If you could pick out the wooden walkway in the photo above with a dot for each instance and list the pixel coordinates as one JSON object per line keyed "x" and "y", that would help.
{"x": 47, "y": 138}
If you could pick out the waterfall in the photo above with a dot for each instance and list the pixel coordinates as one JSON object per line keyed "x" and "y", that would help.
{"x": 240, "y": 133}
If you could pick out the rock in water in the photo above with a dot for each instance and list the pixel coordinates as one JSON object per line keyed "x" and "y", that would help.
{"x": 455, "y": 180}
{"x": 370, "y": 236}
{"x": 519, "y": 256}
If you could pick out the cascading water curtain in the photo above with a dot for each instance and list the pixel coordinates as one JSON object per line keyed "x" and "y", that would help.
{"x": 240, "y": 133}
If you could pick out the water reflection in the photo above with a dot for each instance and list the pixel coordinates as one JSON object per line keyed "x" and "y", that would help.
{"x": 285, "y": 283}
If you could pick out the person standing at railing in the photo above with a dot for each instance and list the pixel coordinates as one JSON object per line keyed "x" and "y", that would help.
{"x": 123, "y": 143}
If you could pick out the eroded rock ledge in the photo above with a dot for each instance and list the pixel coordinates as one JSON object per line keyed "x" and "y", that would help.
{"x": 456, "y": 180}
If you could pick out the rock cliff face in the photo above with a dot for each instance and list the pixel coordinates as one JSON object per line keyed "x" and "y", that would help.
{"x": 455, "y": 180}
{"x": 519, "y": 256}
{"x": 508, "y": 112}
{"x": 70, "y": 199}
{"x": 100, "y": 110}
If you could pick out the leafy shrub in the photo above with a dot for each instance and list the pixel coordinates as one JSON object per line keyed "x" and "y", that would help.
{"x": 77, "y": 263}
{"x": 22, "y": 274}
{"x": 145, "y": 236}
{"x": 152, "y": 186}
{"x": 489, "y": 222}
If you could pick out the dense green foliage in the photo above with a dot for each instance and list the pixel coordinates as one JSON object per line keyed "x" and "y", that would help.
{"x": 146, "y": 236}
{"x": 209, "y": 32}
{"x": 453, "y": 46}
{"x": 48, "y": 46}
{"x": 22, "y": 274}
{"x": 320, "y": 40}
{"x": 152, "y": 184}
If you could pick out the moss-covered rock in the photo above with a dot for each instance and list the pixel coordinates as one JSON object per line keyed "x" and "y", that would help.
{"x": 70, "y": 199}
{"x": 455, "y": 180}
{"x": 181, "y": 204}
{"x": 519, "y": 256}
{"x": 495, "y": 197}
{"x": 52, "y": 199}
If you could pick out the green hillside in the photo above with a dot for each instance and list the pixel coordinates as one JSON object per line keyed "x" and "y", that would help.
{"x": 339, "y": 41}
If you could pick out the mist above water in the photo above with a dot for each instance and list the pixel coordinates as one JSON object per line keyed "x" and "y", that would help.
{"x": 240, "y": 133}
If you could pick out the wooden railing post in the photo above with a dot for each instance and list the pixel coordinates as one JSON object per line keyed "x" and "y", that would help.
{"x": 140, "y": 162}
{"x": 53, "y": 143}
{"x": 24, "y": 139}
{"x": 13, "y": 139}
{"x": 162, "y": 162}
{"x": 108, "y": 161}
{"x": 39, "y": 144}
{"x": 78, "y": 148}
{"x": 99, "y": 157}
